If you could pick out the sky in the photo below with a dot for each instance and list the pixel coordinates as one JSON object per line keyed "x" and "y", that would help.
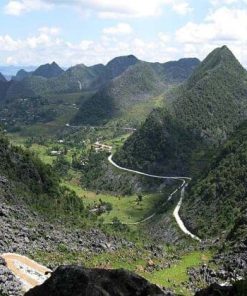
{"x": 34, "y": 32}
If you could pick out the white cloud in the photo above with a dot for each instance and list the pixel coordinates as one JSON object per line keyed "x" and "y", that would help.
{"x": 120, "y": 28}
{"x": 19, "y": 7}
{"x": 113, "y": 9}
{"x": 182, "y": 8}
{"x": 48, "y": 45}
{"x": 164, "y": 38}
{"x": 226, "y": 2}
{"x": 7, "y": 43}
{"x": 50, "y": 30}
{"x": 224, "y": 25}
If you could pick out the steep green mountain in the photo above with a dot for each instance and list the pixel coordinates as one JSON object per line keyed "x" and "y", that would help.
{"x": 138, "y": 83}
{"x": 218, "y": 199}
{"x": 199, "y": 115}
{"x": 2, "y": 78}
{"x": 214, "y": 100}
{"x": 48, "y": 70}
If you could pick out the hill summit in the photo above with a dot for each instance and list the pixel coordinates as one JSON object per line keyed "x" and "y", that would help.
{"x": 48, "y": 70}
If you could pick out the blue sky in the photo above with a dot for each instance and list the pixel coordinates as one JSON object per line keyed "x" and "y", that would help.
{"x": 34, "y": 32}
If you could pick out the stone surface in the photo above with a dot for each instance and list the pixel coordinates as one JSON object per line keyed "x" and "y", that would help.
{"x": 9, "y": 284}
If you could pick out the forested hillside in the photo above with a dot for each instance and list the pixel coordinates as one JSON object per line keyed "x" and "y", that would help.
{"x": 214, "y": 100}
{"x": 216, "y": 200}
{"x": 36, "y": 183}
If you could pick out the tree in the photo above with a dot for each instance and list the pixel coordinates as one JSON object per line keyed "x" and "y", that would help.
{"x": 139, "y": 198}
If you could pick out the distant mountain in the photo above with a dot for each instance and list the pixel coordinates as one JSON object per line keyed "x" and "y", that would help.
{"x": 2, "y": 78}
{"x": 176, "y": 71}
{"x": 4, "y": 84}
{"x": 28, "y": 87}
{"x": 140, "y": 82}
{"x": 200, "y": 113}
{"x": 137, "y": 83}
{"x": 81, "y": 77}
{"x": 75, "y": 79}
{"x": 48, "y": 70}
{"x": 117, "y": 66}
{"x": 21, "y": 74}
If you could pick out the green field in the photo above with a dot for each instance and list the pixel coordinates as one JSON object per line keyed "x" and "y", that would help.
{"x": 125, "y": 208}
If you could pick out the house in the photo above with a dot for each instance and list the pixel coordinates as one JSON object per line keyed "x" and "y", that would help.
{"x": 55, "y": 153}
{"x": 101, "y": 147}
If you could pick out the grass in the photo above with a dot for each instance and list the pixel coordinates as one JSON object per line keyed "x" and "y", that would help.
{"x": 177, "y": 273}
{"x": 125, "y": 208}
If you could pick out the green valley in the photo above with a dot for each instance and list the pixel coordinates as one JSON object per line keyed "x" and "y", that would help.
{"x": 132, "y": 164}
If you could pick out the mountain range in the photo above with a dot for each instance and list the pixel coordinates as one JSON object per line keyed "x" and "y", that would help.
{"x": 140, "y": 82}
{"x": 50, "y": 78}
{"x": 115, "y": 87}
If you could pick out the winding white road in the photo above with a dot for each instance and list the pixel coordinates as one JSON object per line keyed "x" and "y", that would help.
{"x": 182, "y": 187}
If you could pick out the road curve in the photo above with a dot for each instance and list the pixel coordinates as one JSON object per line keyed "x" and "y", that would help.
{"x": 177, "y": 208}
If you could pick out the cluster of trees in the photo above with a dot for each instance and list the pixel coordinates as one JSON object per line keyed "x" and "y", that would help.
{"x": 27, "y": 110}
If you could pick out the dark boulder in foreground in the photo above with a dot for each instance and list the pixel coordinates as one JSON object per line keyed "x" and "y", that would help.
{"x": 79, "y": 281}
